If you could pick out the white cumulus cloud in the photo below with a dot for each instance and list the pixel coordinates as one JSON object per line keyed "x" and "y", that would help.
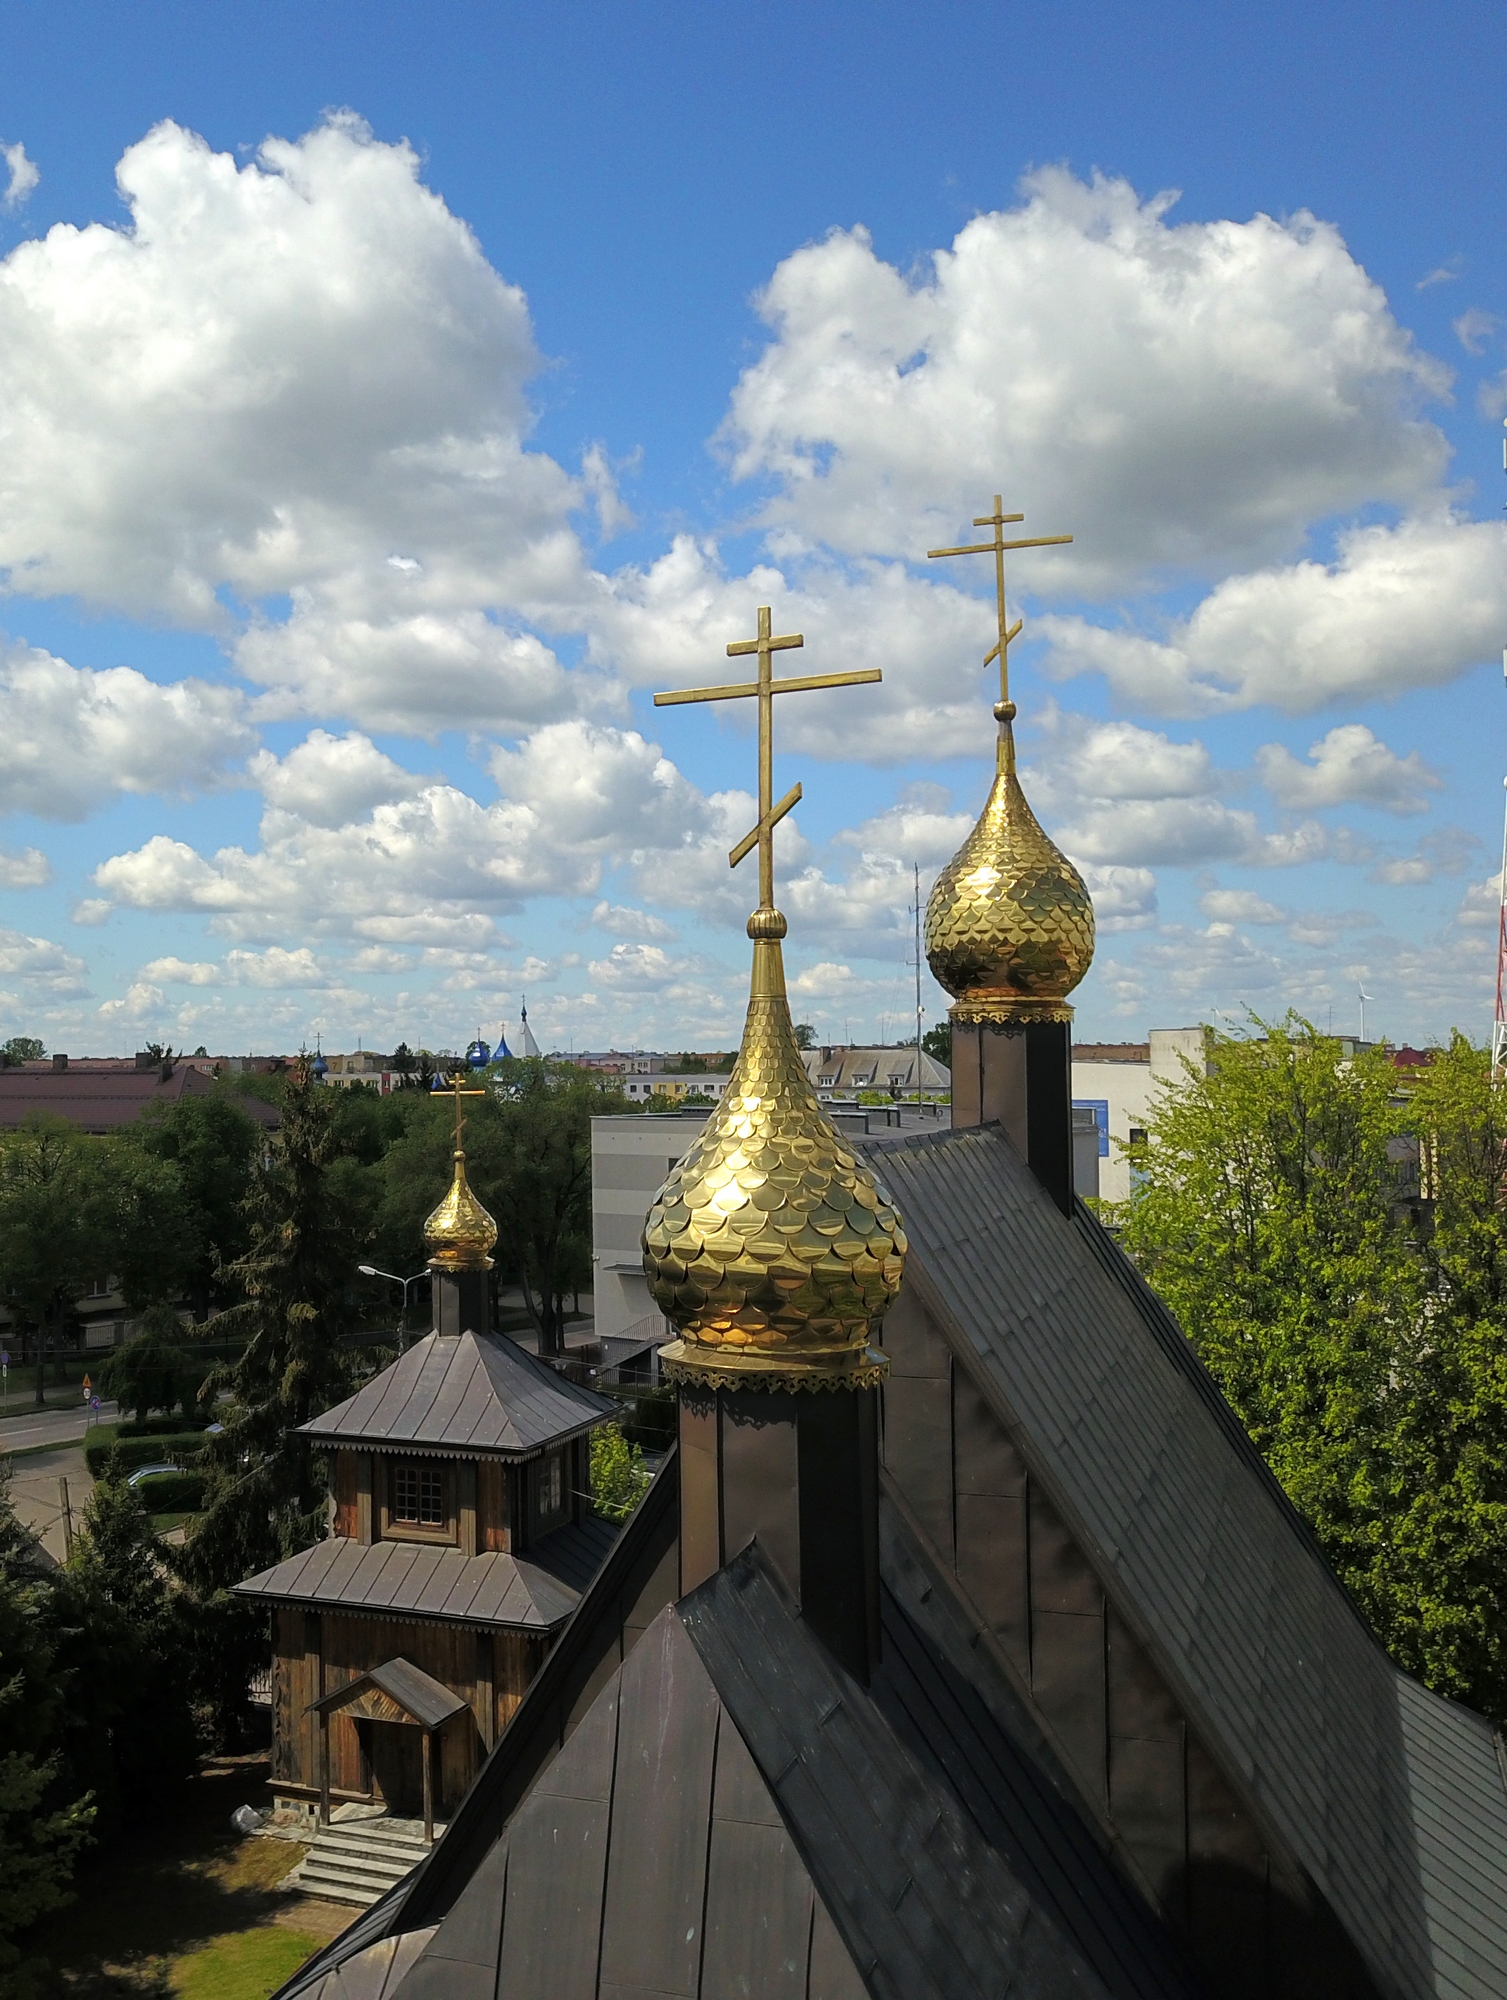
{"x": 1174, "y": 394}
{"x": 71, "y": 737}
{"x": 1400, "y": 607}
{"x": 22, "y": 175}
{"x": 272, "y": 376}
{"x": 30, "y": 869}
{"x": 330, "y": 779}
{"x": 180, "y": 972}
{"x": 1349, "y": 766}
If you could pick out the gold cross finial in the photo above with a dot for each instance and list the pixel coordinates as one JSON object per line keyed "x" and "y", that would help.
{"x": 766, "y": 687}
{"x": 453, "y": 1087}
{"x": 996, "y": 548}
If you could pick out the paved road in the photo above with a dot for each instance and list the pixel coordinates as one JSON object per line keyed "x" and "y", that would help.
{"x": 20, "y": 1433}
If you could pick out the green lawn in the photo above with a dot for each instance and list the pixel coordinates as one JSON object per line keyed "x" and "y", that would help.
{"x": 183, "y": 1906}
{"x": 247, "y": 1965}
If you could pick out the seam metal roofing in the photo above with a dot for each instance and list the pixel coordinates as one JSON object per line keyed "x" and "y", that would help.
{"x": 464, "y": 1393}
{"x": 1390, "y": 1798}
{"x": 417, "y": 1580}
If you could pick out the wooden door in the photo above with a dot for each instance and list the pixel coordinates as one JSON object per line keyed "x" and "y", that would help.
{"x": 397, "y": 1754}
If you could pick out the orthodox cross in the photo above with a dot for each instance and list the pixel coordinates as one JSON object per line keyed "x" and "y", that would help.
{"x": 996, "y": 548}
{"x": 453, "y": 1089}
{"x": 766, "y": 687}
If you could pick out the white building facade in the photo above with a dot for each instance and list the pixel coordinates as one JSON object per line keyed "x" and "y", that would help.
{"x": 1117, "y": 1082}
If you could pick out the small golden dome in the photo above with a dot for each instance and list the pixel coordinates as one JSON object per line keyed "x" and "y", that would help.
{"x": 460, "y": 1233}
{"x": 772, "y": 1249}
{"x": 1009, "y": 926}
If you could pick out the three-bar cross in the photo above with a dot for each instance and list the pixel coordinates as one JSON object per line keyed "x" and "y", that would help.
{"x": 997, "y": 548}
{"x": 766, "y": 687}
{"x": 453, "y": 1089}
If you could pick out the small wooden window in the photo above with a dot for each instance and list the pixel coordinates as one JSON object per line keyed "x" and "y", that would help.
{"x": 420, "y": 1501}
{"x": 551, "y": 1492}
{"x": 418, "y": 1495}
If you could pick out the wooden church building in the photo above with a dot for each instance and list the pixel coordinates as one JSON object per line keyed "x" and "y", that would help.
{"x": 965, "y": 1647}
{"x": 462, "y": 1537}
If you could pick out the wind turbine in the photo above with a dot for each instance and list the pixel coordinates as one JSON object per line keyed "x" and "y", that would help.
{"x": 1364, "y": 997}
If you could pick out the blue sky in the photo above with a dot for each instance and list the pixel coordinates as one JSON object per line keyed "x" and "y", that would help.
{"x": 391, "y": 399}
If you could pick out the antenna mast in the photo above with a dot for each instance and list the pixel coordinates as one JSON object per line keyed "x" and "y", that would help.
{"x": 1499, "y": 1026}
{"x": 916, "y": 873}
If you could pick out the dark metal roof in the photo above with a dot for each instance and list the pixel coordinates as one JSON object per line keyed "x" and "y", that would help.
{"x": 799, "y": 1845}
{"x": 1376, "y": 1788}
{"x": 427, "y": 1701}
{"x": 464, "y": 1392}
{"x": 415, "y": 1579}
{"x": 638, "y": 1578}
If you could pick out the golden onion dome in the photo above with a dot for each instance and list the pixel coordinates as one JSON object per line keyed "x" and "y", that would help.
{"x": 1009, "y": 924}
{"x": 772, "y": 1248}
{"x": 460, "y": 1233}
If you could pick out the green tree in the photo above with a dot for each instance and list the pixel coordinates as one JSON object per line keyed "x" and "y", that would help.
{"x": 528, "y": 1157}
{"x": 618, "y": 1473}
{"x": 1357, "y": 1333}
{"x": 805, "y": 1035}
{"x": 125, "y": 1643}
{"x": 22, "y": 1048}
{"x": 212, "y": 1143}
{"x": 137, "y": 1221}
{"x": 48, "y": 1247}
{"x": 154, "y": 1370}
{"x": 267, "y": 1491}
{"x": 937, "y": 1042}
{"x": 42, "y": 1827}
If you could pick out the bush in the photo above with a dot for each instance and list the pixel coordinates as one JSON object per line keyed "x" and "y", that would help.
{"x": 118, "y": 1457}
{"x": 618, "y": 1473}
{"x": 158, "y": 1427}
{"x": 172, "y": 1492}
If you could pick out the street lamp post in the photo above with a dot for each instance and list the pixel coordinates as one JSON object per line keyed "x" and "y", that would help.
{"x": 371, "y": 1271}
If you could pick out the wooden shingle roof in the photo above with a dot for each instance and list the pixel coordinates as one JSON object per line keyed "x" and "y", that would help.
{"x": 463, "y": 1393}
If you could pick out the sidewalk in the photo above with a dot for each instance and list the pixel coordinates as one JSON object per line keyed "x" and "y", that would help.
{"x": 38, "y": 1501}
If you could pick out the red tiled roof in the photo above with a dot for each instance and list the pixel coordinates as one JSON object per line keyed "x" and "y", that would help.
{"x": 102, "y": 1100}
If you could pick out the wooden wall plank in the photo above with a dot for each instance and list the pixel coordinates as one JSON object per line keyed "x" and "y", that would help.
{"x": 344, "y": 1522}
{"x": 492, "y": 1507}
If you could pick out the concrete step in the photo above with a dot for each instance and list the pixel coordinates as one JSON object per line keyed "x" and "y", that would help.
{"x": 357, "y": 1860}
{"x": 340, "y": 1840}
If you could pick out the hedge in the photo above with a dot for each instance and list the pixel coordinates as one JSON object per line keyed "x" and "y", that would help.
{"x": 172, "y": 1492}
{"x": 158, "y": 1427}
{"x": 128, "y": 1453}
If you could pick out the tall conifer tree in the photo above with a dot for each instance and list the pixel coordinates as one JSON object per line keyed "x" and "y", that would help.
{"x": 267, "y": 1490}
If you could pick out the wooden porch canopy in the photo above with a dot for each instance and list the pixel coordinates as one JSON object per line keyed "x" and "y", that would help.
{"x": 399, "y": 1692}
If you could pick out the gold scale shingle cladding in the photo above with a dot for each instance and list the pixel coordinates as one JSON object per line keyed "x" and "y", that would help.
{"x": 459, "y": 1233}
{"x": 772, "y": 1249}
{"x": 1009, "y": 924}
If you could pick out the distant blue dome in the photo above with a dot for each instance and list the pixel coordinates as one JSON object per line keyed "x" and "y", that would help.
{"x": 502, "y": 1052}
{"x": 320, "y": 1066}
{"x": 478, "y": 1055}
